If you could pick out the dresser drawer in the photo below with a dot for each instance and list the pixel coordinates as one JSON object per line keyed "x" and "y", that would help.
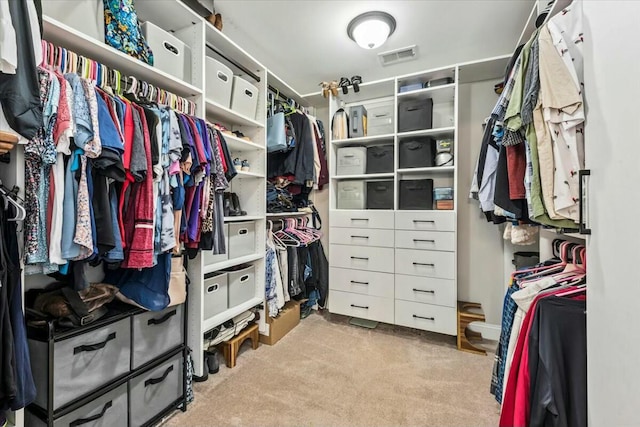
{"x": 155, "y": 333}
{"x": 429, "y": 221}
{"x": 362, "y": 258}
{"x": 362, "y": 306}
{"x": 362, "y": 219}
{"x": 361, "y": 282}
{"x": 111, "y": 409}
{"x": 426, "y": 290}
{"x": 426, "y": 263}
{"x": 429, "y": 240}
{"x": 361, "y": 237}
{"x": 426, "y": 316}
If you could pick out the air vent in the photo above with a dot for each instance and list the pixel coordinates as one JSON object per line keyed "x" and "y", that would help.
{"x": 399, "y": 55}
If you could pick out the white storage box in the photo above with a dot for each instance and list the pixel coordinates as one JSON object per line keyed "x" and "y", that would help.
{"x": 219, "y": 82}
{"x": 242, "y": 239}
{"x": 351, "y": 195}
{"x": 244, "y": 97}
{"x": 86, "y": 16}
{"x": 351, "y": 161}
{"x": 169, "y": 53}
{"x": 208, "y": 258}
{"x": 242, "y": 285}
{"x": 380, "y": 120}
{"x": 216, "y": 294}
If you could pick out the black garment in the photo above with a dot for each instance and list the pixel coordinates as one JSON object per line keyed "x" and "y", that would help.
{"x": 501, "y": 198}
{"x": 7, "y": 359}
{"x": 152, "y": 123}
{"x": 487, "y": 140}
{"x": 323, "y": 179}
{"x": 20, "y": 92}
{"x": 298, "y": 162}
{"x": 558, "y": 363}
{"x": 295, "y": 274}
{"x": 231, "y": 170}
{"x": 105, "y": 240}
{"x": 320, "y": 271}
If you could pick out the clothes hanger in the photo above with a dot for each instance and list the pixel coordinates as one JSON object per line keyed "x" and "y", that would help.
{"x": 10, "y": 197}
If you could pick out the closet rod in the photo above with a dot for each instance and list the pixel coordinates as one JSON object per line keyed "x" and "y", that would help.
{"x": 240, "y": 66}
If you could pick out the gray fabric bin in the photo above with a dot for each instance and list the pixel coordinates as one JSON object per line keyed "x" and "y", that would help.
{"x": 351, "y": 195}
{"x": 208, "y": 258}
{"x": 242, "y": 285}
{"x": 155, "y": 333}
{"x": 83, "y": 363}
{"x": 216, "y": 294}
{"x": 415, "y": 115}
{"x": 357, "y": 121}
{"x": 380, "y": 120}
{"x": 242, "y": 239}
{"x": 351, "y": 161}
{"x": 152, "y": 392}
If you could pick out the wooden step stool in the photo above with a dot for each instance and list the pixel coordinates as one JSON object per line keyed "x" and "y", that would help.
{"x": 469, "y": 312}
{"x": 231, "y": 348}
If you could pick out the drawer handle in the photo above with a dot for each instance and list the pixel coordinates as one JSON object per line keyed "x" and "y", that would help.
{"x": 213, "y": 288}
{"x": 163, "y": 318}
{"x": 359, "y": 219}
{"x": 244, "y": 278}
{"x": 154, "y": 381}
{"x": 415, "y": 316}
{"x": 243, "y": 231}
{"x": 424, "y": 240}
{"x": 423, "y": 220}
{"x": 424, "y": 264}
{"x": 171, "y": 48}
{"x": 248, "y": 93}
{"x": 360, "y": 306}
{"x": 359, "y": 237}
{"x": 222, "y": 76}
{"x": 81, "y": 421}
{"x": 94, "y": 347}
{"x": 359, "y": 257}
{"x": 355, "y": 282}
{"x": 424, "y": 290}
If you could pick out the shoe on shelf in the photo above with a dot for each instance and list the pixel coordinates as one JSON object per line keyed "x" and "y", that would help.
{"x": 344, "y": 84}
{"x": 211, "y": 357}
{"x": 356, "y": 81}
{"x": 241, "y": 135}
{"x": 236, "y": 162}
{"x": 245, "y": 166}
{"x": 236, "y": 209}
{"x": 226, "y": 204}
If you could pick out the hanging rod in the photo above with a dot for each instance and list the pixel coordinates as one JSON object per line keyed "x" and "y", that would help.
{"x": 240, "y": 66}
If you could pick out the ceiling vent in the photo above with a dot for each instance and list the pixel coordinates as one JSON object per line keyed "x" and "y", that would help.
{"x": 398, "y": 55}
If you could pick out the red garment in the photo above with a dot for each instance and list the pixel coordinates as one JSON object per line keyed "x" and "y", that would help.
{"x": 516, "y": 168}
{"x": 199, "y": 145}
{"x": 323, "y": 179}
{"x": 126, "y": 160}
{"x": 224, "y": 161}
{"x": 63, "y": 120}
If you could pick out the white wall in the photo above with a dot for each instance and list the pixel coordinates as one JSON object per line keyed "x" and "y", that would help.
{"x": 612, "y": 91}
{"x": 480, "y": 244}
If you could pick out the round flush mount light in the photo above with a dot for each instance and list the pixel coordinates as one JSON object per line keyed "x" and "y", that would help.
{"x": 371, "y": 29}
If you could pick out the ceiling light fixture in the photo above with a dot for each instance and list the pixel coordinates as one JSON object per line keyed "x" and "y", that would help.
{"x": 371, "y": 29}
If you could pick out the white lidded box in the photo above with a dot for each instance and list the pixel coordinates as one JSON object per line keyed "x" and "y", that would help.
{"x": 169, "y": 53}
{"x": 351, "y": 195}
{"x": 351, "y": 161}
{"x": 219, "y": 82}
{"x": 244, "y": 97}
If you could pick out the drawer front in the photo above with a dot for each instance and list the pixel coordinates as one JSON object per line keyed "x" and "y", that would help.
{"x": 361, "y": 282}
{"x": 427, "y": 317}
{"x": 361, "y": 219}
{"x": 111, "y": 409}
{"x": 426, "y": 263}
{"x": 86, "y": 362}
{"x": 427, "y": 221}
{"x": 362, "y": 258}
{"x": 153, "y": 391}
{"x": 426, "y": 240}
{"x": 155, "y": 333}
{"x": 426, "y": 290}
{"x": 361, "y": 237}
{"x": 362, "y": 306}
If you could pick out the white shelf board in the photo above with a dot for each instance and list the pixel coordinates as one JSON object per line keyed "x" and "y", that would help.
{"x": 425, "y": 76}
{"x": 231, "y": 263}
{"x": 364, "y": 176}
{"x": 316, "y": 99}
{"x": 242, "y": 218}
{"x": 287, "y": 214}
{"x": 560, "y": 234}
{"x": 368, "y": 91}
{"x": 439, "y": 94}
{"x": 446, "y": 132}
{"x": 72, "y": 39}
{"x": 219, "y": 319}
{"x": 363, "y": 139}
{"x": 238, "y": 144}
{"x": 230, "y": 49}
{"x": 227, "y": 115}
{"x": 242, "y": 174}
{"x": 435, "y": 169}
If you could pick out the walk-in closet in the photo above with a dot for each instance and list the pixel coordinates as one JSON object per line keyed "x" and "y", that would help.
{"x": 288, "y": 213}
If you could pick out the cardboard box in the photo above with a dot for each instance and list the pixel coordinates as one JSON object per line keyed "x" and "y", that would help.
{"x": 444, "y": 205}
{"x": 278, "y": 327}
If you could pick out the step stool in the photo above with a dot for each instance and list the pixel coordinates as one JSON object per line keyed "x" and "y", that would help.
{"x": 231, "y": 348}
{"x": 469, "y": 312}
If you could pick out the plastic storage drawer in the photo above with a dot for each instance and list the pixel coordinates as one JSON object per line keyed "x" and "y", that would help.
{"x": 208, "y": 258}
{"x": 380, "y": 120}
{"x": 415, "y": 115}
{"x": 351, "y": 161}
{"x": 81, "y": 363}
{"x": 417, "y": 153}
{"x": 244, "y": 97}
{"x": 216, "y": 294}
{"x": 416, "y": 194}
{"x": 351, "y": 195}
{"x": 169, "y": 53}
{"x": 242, "y": 285}
{"x": 242, "y": 239}
{"x": 219, "y": 82}
{"x": 357, "y": 121}
{"x": 380, "y": 195}
{"x": 154, "y": 391}
{"x": 155, "y": 333}
{"x": 380, "y": 159}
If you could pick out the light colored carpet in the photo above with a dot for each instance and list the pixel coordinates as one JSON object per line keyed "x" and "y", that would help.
{"x": 328, "y": 373}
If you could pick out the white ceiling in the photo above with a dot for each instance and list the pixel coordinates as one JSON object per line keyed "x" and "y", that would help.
{"x": 305, "y": 42}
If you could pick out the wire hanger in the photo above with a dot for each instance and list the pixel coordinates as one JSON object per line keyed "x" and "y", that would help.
{"x": 10, "y": 196}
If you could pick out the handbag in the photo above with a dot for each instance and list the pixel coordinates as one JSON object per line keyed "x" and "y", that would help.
{"x": 276, "y": 133}
{"x": 122, "y": 30}
{"x": 177, "y": 282}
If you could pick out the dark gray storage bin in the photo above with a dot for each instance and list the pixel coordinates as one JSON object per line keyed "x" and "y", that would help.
{"x": 380, "y": 195}
{"x": 152, "y": 392}
{"x": 415, "y": 115}
{"x": 242, "y": 285}
{"x": 216, "y": 294}
{"x": 82, "y": 363}
{"x": 416, "y": 194}
{"x": 380, "y": 159}
{"x": 417, "y": 153}
{"x": 155, "y": 333}
{"x": 357, "y": 121}
{"x": 242, "y": 239}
